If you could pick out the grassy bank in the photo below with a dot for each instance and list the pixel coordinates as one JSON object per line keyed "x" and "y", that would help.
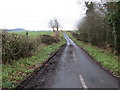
{"x": 106, "y": 59}
{"x": 17, "y": 71}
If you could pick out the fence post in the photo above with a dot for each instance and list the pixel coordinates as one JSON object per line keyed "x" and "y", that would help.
{"x": 27, "y": 34}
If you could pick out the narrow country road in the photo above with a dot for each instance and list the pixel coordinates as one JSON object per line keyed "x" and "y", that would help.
{"x": 76, "y": 70}
{"x": 70, "y": 67}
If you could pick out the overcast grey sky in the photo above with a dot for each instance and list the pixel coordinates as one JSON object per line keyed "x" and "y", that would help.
{"x": 35, "y": 14}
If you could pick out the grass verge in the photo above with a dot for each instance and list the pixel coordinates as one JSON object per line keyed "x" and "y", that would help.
{"x": 17, "y": 71}
{"x": 106, "y": 59}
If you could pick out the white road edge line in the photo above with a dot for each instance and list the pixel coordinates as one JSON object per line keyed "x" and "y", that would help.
{"x": 83, "y": 82}
{"x": 74, "y": 56}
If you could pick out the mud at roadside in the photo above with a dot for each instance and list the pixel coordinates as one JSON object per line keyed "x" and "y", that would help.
{"x": 43, "y": 74}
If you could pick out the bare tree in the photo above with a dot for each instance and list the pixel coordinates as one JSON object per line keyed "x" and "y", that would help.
{"x": 92, "y": 27}
{"x": 57, "y": 24}
{"x": 54, "y": 23}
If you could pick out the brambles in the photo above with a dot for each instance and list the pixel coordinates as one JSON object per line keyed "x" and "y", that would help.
{"x": 48, "y": 40}
{"x": 16, "y": 46}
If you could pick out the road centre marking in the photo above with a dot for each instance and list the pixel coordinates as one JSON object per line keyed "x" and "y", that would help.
{"x": 83, "y": 82}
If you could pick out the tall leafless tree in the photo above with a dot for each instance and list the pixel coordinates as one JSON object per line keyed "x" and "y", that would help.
{"x": 57, "y": 24}
{"x": 54, "y": 23}
{"x": 92, "y": 27}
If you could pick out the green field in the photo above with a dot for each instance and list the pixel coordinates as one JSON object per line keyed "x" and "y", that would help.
{"x": 32, "y": 34}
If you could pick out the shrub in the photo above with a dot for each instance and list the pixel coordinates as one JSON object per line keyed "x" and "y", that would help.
{"x": 16, "y": 46}
{"x": 76, "y": 35}
{"x": 48, "y": 39}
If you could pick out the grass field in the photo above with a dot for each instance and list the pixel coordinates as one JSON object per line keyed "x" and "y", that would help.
{"x": 106, "y": 59}
{"x": 32, "y": 34}
{"x": 15, "y": 72}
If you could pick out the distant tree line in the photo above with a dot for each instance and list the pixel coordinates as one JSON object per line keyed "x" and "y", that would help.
{"x": 101, "y": 25}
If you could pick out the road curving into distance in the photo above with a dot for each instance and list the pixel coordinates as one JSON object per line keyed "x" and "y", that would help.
{"x": 76, "y": 69}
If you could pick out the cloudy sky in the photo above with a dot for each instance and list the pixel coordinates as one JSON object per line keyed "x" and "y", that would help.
{"x": 35, "y": 14}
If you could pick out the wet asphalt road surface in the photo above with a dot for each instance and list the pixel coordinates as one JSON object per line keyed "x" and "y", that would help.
{"x": 76, "y": 69}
